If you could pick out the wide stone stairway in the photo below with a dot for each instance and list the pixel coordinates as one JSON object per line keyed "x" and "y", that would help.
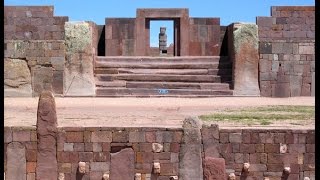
{"x": 195, "y": 76}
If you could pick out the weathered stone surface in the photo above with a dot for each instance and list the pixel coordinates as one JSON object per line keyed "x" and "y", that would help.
{"x": 156, "y": 147}
{"x": 214, "y": 168}
{"x": 16, "y": 161}
{"x": 243, "y": 51}
{"x": 78, "y": 76}
{"x": 17, "y": 78}
{"x": 122, "y": 165}
{"x": 190, "y": 153}
{"x": 46, "y": 132}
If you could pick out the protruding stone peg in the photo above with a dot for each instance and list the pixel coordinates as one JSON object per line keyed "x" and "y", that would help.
{"x": 82, "y": 167}
{"x": 306, "y": 178}
{"x": 246, "y": 167}
{"x": 106, "y": 176}
{"x": 174, "y": 178}
{"x": 61, "y": 176}
{"x": 287, "y": 170}
{"x": 156, "y": 167}
{"x": 232, "y": 176}
{"x": 137, "y": 176}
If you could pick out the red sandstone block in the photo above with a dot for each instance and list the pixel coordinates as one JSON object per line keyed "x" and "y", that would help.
{"x": 101, "y": 136}
{"x": 150, "y": 136}
{"x": 79, "y": 147}
{"x": 74, "y": 136}
{"x": 254, "y": 158}
{"x": 101, "y": 156}
{"x": 247, "y": 148}
{"x": 137, "y": 136}
{"x": 145, "y": 168}
{"x": 177, "y": 136}
{"x": 31, "y": 145}
{"x": 225, "y": 148}
{"x": 74, "y": 157}
{"x": 194, "y": 48}
{"x": 174, "y": 147}
{"x": 224, "y": 137}
{"x": 255, "y": 138}
{"x": 310, "y": 148}
{"x": 258, "y": 168}
{"x": 235, "y": 147}
{"x": 145, "y": 147}
{"x": 31, "y": 167}
{"x": 169, "y": 169}
{"x": 120, "y": 136}
{"x": 297, "y": 148}
{"x": 162, "y": 156}
{"x": 289, "y": 138}
{"x": 259, "y": 148}
{"x": 87, "y": 136}
{"x": 31, "y": 155}
{"x": 106, "y": 147}
{"x": 279, "y": 138}
{"x": 21, "y": 136}
{"x": 64, "y": 167}
{"x": 264, "y": 21}
{"x": 144, "y": 157}
{"x": 246, "y": 138}
{"x": 63, "y": 157}
{"x": 86, "y": 156}
{"x": 272, "y": 148}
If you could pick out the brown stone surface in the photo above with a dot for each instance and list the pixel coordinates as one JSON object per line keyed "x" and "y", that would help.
{"x": 16, "y": 161}
{"x": 243, "y": 51}
{"x": 214, "y": 168}
{"x": 46, "y": 133}
{"x": 122, "y": 165}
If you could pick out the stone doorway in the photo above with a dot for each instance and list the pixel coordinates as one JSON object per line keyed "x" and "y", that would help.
{"x": 180, "y": 18}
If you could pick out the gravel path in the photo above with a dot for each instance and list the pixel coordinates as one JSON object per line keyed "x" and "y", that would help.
{"x": 136, "y": 112}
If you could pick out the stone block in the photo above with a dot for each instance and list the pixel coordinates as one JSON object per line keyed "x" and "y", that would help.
{"x": 174, "y": 147}
{"x": 265, "y": 48}
{"x": 162, "y": 156}
{"x": 101, "y": 136}
{"x": 120, "y": 136}
{"x": 297, "y": 148}
{"x": 68, "y": 147}
{"x": 17, "y": 78}
{"x": 74, "y": 136}
{"x": 214, "y": 168}
{"x": 16, "y": 161}
{"x": 96, "y": 147}
{"x": 122, "y": 165}
{"x": 101, "y": 156}
{"x": 21, "y": 136}
{"x": 177, "y": 136}
{"x": 137, "y": 136}
{"x": 7, "y": 135}
{"x": 163, "y": 136}
{"x": 264, "y": 21}
{"x": 235, "y": 137}
{"x": 78, "y": 147}
{"x": 99, "y": 166}
{"x": 144, "y": 157}
{"x": 86, "y": 156}
{"x": 272, "y": 148}
{"x": 31, "y": 155}
{"x": 247, "y": 148}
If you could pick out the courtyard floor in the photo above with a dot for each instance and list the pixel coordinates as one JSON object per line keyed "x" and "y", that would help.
{"x": 139, "y": 112}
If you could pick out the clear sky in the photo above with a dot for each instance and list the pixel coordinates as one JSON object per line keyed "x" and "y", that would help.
{"x": 229, "y": 11}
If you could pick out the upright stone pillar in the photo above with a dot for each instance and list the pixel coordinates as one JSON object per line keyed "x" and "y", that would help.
{"x": 80, "y": 52}
{"x": 47, "y": 138}
{"x": 243, "y": 51}
{"x": 190, "y": 165}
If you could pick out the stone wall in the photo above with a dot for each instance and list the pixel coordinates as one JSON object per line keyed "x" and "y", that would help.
{"x": 97, "y": 147}
{"x": 287, "y": 53}
{"x": 120, "y": 37}
{"x": 267, "y": 150}
{"x": 204, "y": 37}
{"x": 34, "y": 50}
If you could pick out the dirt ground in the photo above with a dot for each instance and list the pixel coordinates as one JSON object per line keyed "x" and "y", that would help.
{"x": 138, "y": 112}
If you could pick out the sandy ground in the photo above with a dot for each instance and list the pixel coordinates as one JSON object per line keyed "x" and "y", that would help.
{"x": 138, "y": 112}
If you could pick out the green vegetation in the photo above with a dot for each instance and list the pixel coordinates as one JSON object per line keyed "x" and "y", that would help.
{"x": 265, "y": 115}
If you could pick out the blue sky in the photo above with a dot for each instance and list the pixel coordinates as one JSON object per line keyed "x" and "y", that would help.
{"x": 97, "y": 10}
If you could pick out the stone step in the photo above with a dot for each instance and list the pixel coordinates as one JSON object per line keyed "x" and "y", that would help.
{"x": 165, "y": 65}
{"x": 164, "y": 85}
{"x": 148, "y": 59}
{"x": 118, "y": 92}
{"x": 163, "y": 71}
{"x": 164, "y": 77}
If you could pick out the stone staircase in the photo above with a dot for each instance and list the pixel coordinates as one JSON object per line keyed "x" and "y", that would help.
{"x": 202, "y": 76}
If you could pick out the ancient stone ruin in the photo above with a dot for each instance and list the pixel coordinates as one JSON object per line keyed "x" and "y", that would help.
{"x": 48, "y": 56}
{"x": 273, "y": 58}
